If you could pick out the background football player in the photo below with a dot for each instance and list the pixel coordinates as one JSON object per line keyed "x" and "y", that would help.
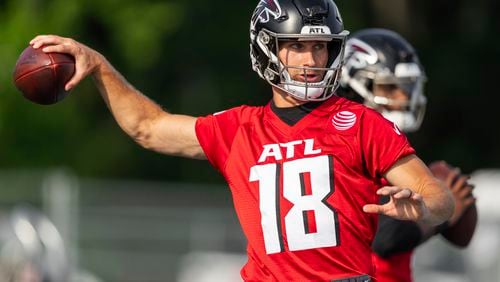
{"x": 382, "y": 71}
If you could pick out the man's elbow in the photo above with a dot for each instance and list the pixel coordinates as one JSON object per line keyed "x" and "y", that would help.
{"x": 142, "y": 137}
{"x": 445, "y": 202}
{"x": 143, "y": 134}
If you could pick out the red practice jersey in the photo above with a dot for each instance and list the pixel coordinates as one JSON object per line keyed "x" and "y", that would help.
{"x": 299, "y": 190}
{"x": 396, "y": 268}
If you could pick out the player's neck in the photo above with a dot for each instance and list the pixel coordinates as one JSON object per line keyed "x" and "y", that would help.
{"x": 292, "y": 115}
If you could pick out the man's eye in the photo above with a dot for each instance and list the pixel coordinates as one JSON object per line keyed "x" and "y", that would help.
{"x": 388, "y": 87}
{"x": 392, "y": 87}
{"x": 319, "y": 46}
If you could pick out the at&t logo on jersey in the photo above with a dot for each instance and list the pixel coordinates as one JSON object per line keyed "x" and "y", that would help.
{"x": 344, "y": 120}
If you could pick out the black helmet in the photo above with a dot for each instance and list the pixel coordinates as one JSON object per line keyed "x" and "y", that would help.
{"x": 381, "y": 56}
{"x": 307, "y": 20}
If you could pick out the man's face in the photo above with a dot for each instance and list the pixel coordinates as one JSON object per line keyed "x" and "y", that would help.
{"x": 313, "y": 54}
{"x": 396, "y": 95}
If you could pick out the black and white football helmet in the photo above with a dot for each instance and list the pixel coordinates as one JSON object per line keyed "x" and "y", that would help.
{"x": 304, "y": 20}
{"x": 380, "y": 56}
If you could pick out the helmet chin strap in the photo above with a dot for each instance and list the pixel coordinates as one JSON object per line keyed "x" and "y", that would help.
{"x": 404, "y": 120}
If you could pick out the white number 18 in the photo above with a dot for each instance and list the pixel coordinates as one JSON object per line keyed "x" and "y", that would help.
{"x": 320, "y": 170}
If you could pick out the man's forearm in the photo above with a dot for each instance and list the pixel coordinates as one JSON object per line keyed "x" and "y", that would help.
{"x": 132, "y": 110}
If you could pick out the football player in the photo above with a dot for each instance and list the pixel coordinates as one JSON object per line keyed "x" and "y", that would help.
{"x": 305, "y": 170}
{"x": 382, "y": 70}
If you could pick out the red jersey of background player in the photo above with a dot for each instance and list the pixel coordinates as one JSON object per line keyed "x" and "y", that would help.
{"x": 299, "y": 190}
{"x": 396, "y": 268}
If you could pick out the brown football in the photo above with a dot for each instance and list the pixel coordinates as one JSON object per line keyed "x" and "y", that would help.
{"x": 41, "y": 76}
{"x": 461, "y": 233}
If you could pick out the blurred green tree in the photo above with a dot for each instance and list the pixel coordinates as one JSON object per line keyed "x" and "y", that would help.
{"x": 78, "y": 132}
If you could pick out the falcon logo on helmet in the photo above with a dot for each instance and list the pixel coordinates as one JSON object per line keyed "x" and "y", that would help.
{"x": 265, "y": 9}
{"x": 360, "y": 54}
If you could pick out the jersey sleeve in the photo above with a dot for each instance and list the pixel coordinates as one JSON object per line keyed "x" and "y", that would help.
{"x": 216, "y": 133}
{"x": 382, "y": 142}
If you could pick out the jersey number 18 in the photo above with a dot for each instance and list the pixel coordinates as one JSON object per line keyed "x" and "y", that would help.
{"x": 320, "y": 170}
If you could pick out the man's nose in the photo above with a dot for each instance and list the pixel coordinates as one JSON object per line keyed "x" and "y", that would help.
{"x": 399, "y": 98}
{"x": 399, "y": 95}
{"x": 309, "y": 59}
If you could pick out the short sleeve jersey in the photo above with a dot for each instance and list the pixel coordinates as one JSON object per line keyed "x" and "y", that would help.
{"x": 299, "y": 190}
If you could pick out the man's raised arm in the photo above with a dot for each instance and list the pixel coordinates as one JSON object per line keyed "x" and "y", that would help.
{"x": 141, "y": 118}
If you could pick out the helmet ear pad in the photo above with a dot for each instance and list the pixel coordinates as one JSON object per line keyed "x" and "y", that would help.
{"x": 258, "y": 59}
{"x": 263, "y": 64}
